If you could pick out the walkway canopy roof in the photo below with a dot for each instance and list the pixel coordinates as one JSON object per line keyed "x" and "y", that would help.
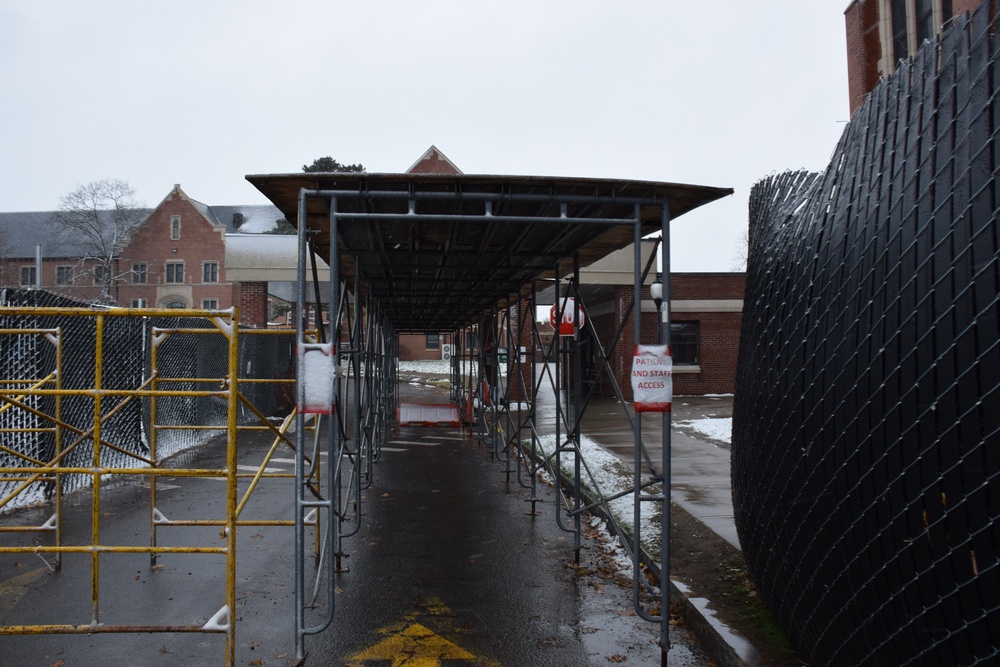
{"x": 440, "y": 251}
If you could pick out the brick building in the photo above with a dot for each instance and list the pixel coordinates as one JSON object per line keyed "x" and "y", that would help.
{"x": 706, "y": 315}
{"x": 705, "y": 329}
{"x": 175, "y": 259}
{"x": 880, "y": 33}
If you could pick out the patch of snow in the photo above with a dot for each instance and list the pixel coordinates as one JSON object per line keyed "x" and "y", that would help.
{"x": 440, "y": 367}
{"x": 609, "y": 476}
{"x": 715, "y": 428}
{"x": 430, "y": 366}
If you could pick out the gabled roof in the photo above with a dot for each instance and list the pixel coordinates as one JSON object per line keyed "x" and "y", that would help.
{"x": 241, "y": 219}
{"x": 433, "y": 161}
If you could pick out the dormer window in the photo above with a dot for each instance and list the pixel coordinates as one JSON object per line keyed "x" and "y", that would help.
{"x": 175, "y": 227}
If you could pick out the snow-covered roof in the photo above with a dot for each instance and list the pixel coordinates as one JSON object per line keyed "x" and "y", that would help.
{"x": 260, "y": 257}
{"x": 256, "y": 219}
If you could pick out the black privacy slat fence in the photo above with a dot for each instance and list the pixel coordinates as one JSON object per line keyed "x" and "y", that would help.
{"x": 866, "y": 430}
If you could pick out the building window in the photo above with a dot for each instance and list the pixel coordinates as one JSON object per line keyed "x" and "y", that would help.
{"x": 140, "y": 273}
{"x": 176, "y": 304}
{"x": 925, "y": 20}
{"x": 98, "y": 274}
{"x": 138, "y": 303}
{"x": 210, "y": 272}
{"x": 909, "y": 23}
{"x": 64, "y": 275}
{"x": 175, "y": 227}
{"x": 900, "y": 42}
{"x": 175, "y": 272}
{"x": 210, "y": 304}
{"x": 433, "y": 342}
{"x": 684, "y": 343}
{"x": 28, "y": 276}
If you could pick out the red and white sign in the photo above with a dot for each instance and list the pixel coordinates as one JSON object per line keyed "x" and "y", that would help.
{"x": 652, "y": 378}
{"x": 566, "y": 326}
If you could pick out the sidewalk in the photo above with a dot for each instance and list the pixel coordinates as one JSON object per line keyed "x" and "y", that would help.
{"x": 700, "y": 467}
{"x": 701, "y": 486}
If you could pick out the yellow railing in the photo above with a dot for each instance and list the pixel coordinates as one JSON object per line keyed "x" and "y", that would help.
{"x": 29, "y": 471}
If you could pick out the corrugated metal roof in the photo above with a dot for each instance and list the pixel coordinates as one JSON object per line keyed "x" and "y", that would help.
{"x": 439, "y": 251}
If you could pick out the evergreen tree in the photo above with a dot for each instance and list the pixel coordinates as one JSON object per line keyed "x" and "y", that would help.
{"x": 328, "y": 164}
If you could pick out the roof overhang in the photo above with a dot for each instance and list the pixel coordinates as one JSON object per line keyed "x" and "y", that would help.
{"x": 440, "y": 251}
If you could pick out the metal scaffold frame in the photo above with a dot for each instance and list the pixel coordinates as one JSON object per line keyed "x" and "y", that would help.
{"x": 362, "y": 352}
{"x": 487, "y": 365}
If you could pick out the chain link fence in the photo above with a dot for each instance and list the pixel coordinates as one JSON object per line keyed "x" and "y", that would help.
{"x": 185, "y": 361}
{"x": 866, "y": 430}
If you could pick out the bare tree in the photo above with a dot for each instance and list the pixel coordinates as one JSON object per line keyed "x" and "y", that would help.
{"x": 101, "y": 216}
{"x": 742, "y": 252}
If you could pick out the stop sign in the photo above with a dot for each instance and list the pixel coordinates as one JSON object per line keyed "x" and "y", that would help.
{"x": 566, "y": 326}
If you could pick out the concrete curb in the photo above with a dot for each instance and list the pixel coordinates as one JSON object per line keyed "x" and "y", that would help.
{"x": 726, "y": 646}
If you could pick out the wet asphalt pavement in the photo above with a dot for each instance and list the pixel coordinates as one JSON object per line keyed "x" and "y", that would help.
{"x": 447, "y": 568}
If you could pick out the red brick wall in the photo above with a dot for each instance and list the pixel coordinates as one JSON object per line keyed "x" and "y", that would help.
{"x": 687, "y": 286}
{"x": 251, "y": 299}
{"x": 719, "y": 333}
{"x": 82, "y": 288}
{"x": 200, "y": 241}
{"x": 864, "y": 49}
{"x": 413, "y": 347}
{"x": 719, "y": 340}
{"x": 961, "y": 6}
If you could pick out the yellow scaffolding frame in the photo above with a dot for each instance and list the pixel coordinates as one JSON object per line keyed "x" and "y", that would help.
{"x": 12, "y": 396}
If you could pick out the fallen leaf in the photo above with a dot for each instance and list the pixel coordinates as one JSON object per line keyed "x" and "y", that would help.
{"x": 255, "y": 663}
{"x": 58, "y": 663}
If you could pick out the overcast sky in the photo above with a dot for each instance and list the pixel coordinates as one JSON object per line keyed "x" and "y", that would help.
{"x": 202, "y": 93}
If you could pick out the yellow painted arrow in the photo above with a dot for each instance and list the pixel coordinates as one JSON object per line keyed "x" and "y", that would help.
{"x": 415, "y": 646}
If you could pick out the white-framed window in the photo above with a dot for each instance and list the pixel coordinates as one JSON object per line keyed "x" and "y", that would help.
{"x": 64, "y": 275}
{"x": 685, "y": 339}
{"x": 210, "y": 272}
{"x": 210, "y": 304}
{"x": 175, "y": 227}
{"x": 140, "y": 273}
{"x": 174, "y": 272}
{"x": 28, "y": 276}
{"x": 907, "y": 23}
{"x": 139, "y": 303}
{"x": 98, "y": 274}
